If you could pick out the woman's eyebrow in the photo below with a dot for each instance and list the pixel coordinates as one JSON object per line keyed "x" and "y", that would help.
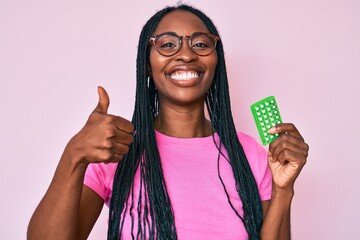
{"x": 167, "y": 33}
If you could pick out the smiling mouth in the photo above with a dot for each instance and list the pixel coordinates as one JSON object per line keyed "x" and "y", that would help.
{"x": 184, "y": 75}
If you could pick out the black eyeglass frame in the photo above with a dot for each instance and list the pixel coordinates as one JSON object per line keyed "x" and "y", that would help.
{"x": 180, "y": 41}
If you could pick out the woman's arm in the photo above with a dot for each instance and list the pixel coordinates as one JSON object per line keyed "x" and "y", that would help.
{"x": 276, "y": 223}
{"x": 69, "y": 209}
{"x": 57, "y": 215}
{"x": 91, "y": 205}
{"x": 287, "y": 156}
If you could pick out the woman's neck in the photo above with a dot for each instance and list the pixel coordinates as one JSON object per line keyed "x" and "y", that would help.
{"x": 183, "y": 122}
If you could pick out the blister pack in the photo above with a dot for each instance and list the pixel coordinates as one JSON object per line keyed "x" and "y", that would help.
{"x": 266, "y": 115}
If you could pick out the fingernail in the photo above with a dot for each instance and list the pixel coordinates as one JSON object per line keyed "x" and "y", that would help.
{"x": 272, "y": 130}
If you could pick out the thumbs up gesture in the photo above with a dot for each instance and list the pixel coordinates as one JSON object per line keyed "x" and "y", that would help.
{"x": 104, "y": 138}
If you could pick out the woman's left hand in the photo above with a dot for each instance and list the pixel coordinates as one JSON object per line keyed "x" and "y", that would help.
{"x": 287, "y": 156}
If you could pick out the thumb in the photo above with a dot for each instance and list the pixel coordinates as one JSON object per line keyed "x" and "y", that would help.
{"x": 104, "y": 101}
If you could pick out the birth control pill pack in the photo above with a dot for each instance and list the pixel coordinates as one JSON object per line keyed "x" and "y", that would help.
{"x": 266, "y": 115}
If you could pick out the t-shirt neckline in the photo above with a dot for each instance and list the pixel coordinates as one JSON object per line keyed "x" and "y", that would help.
{"x": 195, "y": 142}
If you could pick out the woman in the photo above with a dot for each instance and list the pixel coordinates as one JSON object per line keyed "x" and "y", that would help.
{"x": 172, "y": 173}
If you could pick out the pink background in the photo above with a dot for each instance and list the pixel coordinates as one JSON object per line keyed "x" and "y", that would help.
{"x": 53, "y": 55}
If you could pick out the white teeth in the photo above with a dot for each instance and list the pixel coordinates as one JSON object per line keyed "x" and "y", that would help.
{"x": 182, "y": 75}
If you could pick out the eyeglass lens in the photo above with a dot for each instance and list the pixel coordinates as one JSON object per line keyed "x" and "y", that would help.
{"x": 201, "y": 44}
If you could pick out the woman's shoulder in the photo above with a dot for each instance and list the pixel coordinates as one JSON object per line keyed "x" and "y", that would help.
{"x": 104, "y": 167}
{"x": 253, "y": 149}
{"x": 246, "y": 139}
{"x": 100, "y": 173}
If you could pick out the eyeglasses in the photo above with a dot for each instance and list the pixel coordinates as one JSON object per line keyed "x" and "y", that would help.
{"x": 168, "y": 44}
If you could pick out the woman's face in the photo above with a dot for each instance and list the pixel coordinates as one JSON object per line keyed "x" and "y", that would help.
{"x": 185, "y": 77}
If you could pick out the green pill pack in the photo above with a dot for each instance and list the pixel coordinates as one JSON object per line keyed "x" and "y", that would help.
{"x": 266, "y": 115}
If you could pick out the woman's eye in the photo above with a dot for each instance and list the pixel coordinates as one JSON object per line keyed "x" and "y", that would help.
{"x": 200, "y": 45}
{"x": 167, "y": 45}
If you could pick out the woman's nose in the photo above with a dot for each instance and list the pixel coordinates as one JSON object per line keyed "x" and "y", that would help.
{"x": 186, "y": 53}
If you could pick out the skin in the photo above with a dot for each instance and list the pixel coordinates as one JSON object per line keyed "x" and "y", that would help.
{"x": 69, "y": 209}
{"x": 181, "y": 111}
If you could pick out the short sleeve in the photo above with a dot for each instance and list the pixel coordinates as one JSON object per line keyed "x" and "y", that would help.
{"x": 99, "y": 177}
{"x": 257, "y": 158}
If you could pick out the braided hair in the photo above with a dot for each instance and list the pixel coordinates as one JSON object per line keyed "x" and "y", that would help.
{"x": 155, "y": 213}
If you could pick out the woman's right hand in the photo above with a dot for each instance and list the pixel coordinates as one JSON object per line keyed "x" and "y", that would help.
{"x": 104, "y": 138}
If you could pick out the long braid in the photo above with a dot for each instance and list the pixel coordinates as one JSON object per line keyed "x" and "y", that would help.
{"x": 144, "y": 154}
{"x": 219, "y": 108}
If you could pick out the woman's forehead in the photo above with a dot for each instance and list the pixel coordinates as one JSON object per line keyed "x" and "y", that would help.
{"x": 181, "y": 22}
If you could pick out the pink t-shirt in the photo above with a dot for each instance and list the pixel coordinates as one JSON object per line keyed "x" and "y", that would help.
{"x": 200, "y": 205}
